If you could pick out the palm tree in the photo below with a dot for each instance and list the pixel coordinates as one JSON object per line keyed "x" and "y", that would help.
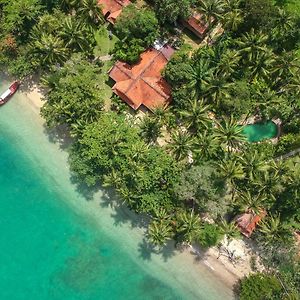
{"x": 217, "y": 88}
{"x": 263, "y": 65}
{"x": 189, "y": 226}
{"x": 266, "y": 98}
{"x": 247, "y": 202}
{"x": 212, "y": 10}
{"x": 67, "y": 5}
{"x": 113, "y": 179}
{"x": 270, "y": 185}
{"x": 195, "y": 117}
{"x": 231, "y": 170}
{"x": 200, "y": 76}
{"x": 274, "y": 230}
{"x": 181, "y": 145}
{"x": 254, "y": 164}
{"x": 90, "y": 12}
{"x": 50, "y": 49}
{"x": 285, "y": 25}
{"x": 161, "y": 115}
{"x": 285, "y": 67}
{"x": 150, "y": 129}
{"x": 229, "y": 133}
{"x": 229, "y": 229}
{"x": 251, "y": 44}
{"x": 138, "y": 150}
{"x": 232, "y": 17}
{"x": 159, "y": 233}
{"x": 127, "y": 196}
{"x": 73, "y": 34}
{"x": 228, "y": 63}
{"x": 293, "y": 86}
{"x": 113, "y": 143}
{"x": 206, "y": 146}
{"x": 161, "y": 214}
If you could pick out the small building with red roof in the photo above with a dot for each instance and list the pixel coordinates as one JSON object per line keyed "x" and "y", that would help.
{"x": 142, "y": 83}
{"x": 197, "y": 24}
{"x": 247, "y": 222}
{"x": 111, "y": 9}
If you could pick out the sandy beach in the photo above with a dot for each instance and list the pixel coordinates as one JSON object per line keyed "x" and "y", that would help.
{"x": 197, "y": 265}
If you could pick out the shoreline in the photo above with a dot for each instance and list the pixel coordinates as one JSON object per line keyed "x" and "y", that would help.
{"x": 208, "y": 262}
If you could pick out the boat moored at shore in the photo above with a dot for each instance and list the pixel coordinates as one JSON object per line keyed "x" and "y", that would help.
{"x": 9, "y": 92}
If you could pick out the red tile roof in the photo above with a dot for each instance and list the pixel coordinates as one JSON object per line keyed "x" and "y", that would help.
{"x": 111, "y": 9}
{"x": 142, "y": 83}
{"x": 196, "y": 24}
{"x": 247, "y": 222}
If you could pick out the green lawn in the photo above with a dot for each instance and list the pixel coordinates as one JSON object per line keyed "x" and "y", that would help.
{"x": 105, "y": 83}
{"x": 190, "y": 39}
{"x": 104, "y": 44}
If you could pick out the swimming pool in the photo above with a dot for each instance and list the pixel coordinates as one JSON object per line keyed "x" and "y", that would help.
{"x": 260, "y": 131}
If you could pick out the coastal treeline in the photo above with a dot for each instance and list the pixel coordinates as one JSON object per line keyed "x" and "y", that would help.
{"x": 189, "y": 168}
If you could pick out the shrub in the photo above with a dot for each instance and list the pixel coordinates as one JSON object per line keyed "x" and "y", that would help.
{"x": 288, "y": 142}
{"x": 210, "y": 235}
{"x": 260, "y": 286}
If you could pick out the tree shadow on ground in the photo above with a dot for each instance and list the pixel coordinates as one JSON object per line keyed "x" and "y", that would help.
{"x": 33, "y": 83}
{"x": 59, "y": 135}
{"x": 87, "y": 192}
{"x": 199, "y": 255}
{"x": 123, "y": 215}
{"x": 145, "y": 250}
{"x": 168, "y": 251}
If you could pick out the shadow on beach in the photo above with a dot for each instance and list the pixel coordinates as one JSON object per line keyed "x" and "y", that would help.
{"x": 59, "y": 135}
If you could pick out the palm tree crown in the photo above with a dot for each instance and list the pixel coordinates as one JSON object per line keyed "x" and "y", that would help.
{"x": 230, "y": 133}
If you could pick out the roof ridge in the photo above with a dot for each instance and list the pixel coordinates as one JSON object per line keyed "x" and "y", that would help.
{"x": 143, "y": 70}
{"x": 120, "y": 2}
{"x": 123, "y": 71}
{"x": 153, "y": 86}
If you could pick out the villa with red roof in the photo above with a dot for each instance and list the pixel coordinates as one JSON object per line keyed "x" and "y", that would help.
{"x": 142, "y": 83}
{"x": 247, "y": 222}
{"x": 196, "y": 24}
{"x": 111, "y": 9}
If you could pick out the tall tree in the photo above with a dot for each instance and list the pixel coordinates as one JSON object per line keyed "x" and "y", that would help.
{"x": 75, "y": 34}
{"x": 150, "y": 129}
{"x": 159, "y": 232}
{"x": 212, "y": 9}
{"x": 201, "y": 75}
{"x": 181, "y": 145}
{"x": 251, "y": 44}
{"x": 229, "y": 133}
{"x": 274, "y": 230}
{"x": 196, "y": 115}
{"x": 90, "y": 12}
{"x": 49, "y": 50}
{"x": 233, "y": 15}
{"x": 171, "y": 10}
{"x": 188, "y": 226}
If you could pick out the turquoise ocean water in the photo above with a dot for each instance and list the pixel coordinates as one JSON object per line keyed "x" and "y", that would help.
{"x": 56, "y": 245}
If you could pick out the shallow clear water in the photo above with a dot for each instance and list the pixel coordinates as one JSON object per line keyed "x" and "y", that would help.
{"x": 56, "y": 245}
{"x": 260, "y": 131}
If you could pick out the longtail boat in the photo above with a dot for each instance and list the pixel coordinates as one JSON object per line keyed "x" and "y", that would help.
{"x": 9, "y": 92}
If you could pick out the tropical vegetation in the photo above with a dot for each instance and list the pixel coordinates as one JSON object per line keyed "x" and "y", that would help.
{"x": 192, "y": 162}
